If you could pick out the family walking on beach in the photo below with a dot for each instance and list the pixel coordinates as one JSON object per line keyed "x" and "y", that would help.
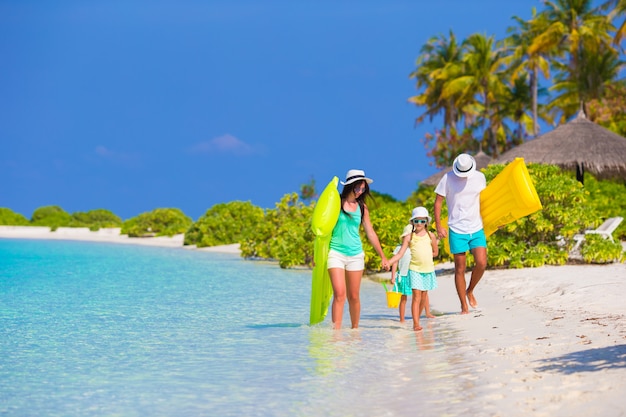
{"x": 413, "y": 270}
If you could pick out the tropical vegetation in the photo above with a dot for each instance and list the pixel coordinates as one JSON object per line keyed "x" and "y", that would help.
{"x": 95, "y": 219}
{"x": 55, "y": 217}
{"x": 487, "y": 94}
{"x": 158, "y": 222}
{"x": 224, "y": 224}
{"x": 10, "y": 218}
{"x": 284, "y": 234}
{"x": 51, "y": 216}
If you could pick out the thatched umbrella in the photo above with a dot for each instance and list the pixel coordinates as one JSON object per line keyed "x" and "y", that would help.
{"x": 579, "y": 145}
{"x": 482, "y": 160}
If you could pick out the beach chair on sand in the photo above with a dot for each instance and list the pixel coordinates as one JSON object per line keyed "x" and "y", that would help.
{"x": 606, "y": 229}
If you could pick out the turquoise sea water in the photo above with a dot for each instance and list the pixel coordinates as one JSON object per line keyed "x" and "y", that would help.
{"x": 93, "y": 329}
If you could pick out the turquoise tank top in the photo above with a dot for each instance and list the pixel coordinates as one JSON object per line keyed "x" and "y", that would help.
{"x": 345, "y": 238}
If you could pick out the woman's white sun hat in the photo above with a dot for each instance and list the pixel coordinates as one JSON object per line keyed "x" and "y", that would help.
{"x": 356, "y": 175}
{"x": 420, "y": 212}
{"x": 464, "y": 165}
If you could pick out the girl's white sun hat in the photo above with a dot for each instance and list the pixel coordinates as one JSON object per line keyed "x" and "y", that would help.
{"x": 420, "y": 212}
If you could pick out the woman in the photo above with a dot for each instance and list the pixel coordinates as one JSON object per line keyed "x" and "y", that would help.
{"x": 346, "y": 260}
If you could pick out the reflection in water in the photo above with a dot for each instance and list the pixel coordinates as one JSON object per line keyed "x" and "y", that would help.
{"x": 426, "y": 338}
{"x": 386, "y": 368}
{"x": 331, "y": 349}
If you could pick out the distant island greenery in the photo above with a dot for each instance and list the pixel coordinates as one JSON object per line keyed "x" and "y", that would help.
{"x": 283, "y": 233}
{"x": 485, "y": 94}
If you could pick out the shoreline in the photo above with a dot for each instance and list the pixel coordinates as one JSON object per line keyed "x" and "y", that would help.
{"x": 543, "y": 341}
{"x": 107, "y": 235}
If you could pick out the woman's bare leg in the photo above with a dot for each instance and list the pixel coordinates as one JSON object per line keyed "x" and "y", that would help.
{"x": 338, "y": 281}
{"x": 353, "y": 286}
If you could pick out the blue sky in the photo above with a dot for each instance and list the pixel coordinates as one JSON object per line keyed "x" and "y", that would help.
{"x": 134, "y": 105}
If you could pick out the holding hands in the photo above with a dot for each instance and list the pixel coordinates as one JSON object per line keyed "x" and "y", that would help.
{"x": 385, "y": 263}
{"x": 441, "y": 231}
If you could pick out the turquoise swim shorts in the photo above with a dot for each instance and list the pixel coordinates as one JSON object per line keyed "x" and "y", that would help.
{"x": 461, "y": 243}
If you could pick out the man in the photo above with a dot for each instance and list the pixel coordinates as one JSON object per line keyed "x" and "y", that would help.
{"x": 461, "y": 189}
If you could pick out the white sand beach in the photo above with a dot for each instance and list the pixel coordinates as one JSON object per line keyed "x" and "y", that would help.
{"x": 547, "y": 341}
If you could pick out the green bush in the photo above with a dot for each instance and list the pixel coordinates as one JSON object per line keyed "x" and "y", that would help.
{"x": 224, "y": 224}
{"x": 10, "y": 218}
{"x": 95, "y": 219}
{"x": 52, "y": 216}
{"x": 607, "y": 199}
{"x": 598, "y": 250}
{"x": 284, "y": 235}
{"x": 158, "y": 222}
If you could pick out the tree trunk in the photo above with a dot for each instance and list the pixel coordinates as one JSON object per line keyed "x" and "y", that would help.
{"x": 534, "y": 88}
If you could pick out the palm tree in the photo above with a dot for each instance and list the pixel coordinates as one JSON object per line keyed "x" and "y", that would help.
{"x": 575, "y": 31}
{"x": 440, "y": 62}
{"x": 522, "y": 61}
{"x": 601, "y": 68}
{"x": 617, "y": 9}
{"x": 481, "y": 79}
{"x": 620, "y": 10}
{"x": 515, "y": 105}
{"x": 437, "y": 56}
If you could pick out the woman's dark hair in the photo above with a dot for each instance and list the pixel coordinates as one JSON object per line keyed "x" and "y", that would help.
{"x": 348, "y": 188}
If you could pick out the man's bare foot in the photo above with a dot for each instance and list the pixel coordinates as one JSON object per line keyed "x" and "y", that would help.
{"x": 464, "y": 311}
{"x": 471, "y": 299}
{"x": 429, "y": 316}
{"x": 401, "y": 320}
{"x": 417, "y": 328}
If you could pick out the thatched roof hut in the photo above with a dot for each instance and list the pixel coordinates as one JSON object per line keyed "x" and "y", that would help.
{"x": 579, "y": 145}
{"x": 482, "y": 160}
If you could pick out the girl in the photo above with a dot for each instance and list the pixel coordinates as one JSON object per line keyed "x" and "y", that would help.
{"x": 424, "y": 247}
{"x": 346, "y": 260}
{"x": 400, "y": 277}
{"x": 400, "y": 273}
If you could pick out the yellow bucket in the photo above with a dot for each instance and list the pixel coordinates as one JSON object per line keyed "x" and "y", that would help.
{"x": 393, "y": 299}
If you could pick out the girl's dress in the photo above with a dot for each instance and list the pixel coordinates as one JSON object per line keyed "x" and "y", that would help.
{"x": 422, "y": 267}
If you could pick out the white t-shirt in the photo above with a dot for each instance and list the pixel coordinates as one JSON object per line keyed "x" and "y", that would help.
{"x": 463, "y": 199}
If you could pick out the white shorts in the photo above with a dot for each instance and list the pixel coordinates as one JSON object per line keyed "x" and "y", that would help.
{"x": 349, "y": 263}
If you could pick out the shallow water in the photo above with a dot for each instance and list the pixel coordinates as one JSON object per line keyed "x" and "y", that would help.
{"x": 92, "y": 329}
